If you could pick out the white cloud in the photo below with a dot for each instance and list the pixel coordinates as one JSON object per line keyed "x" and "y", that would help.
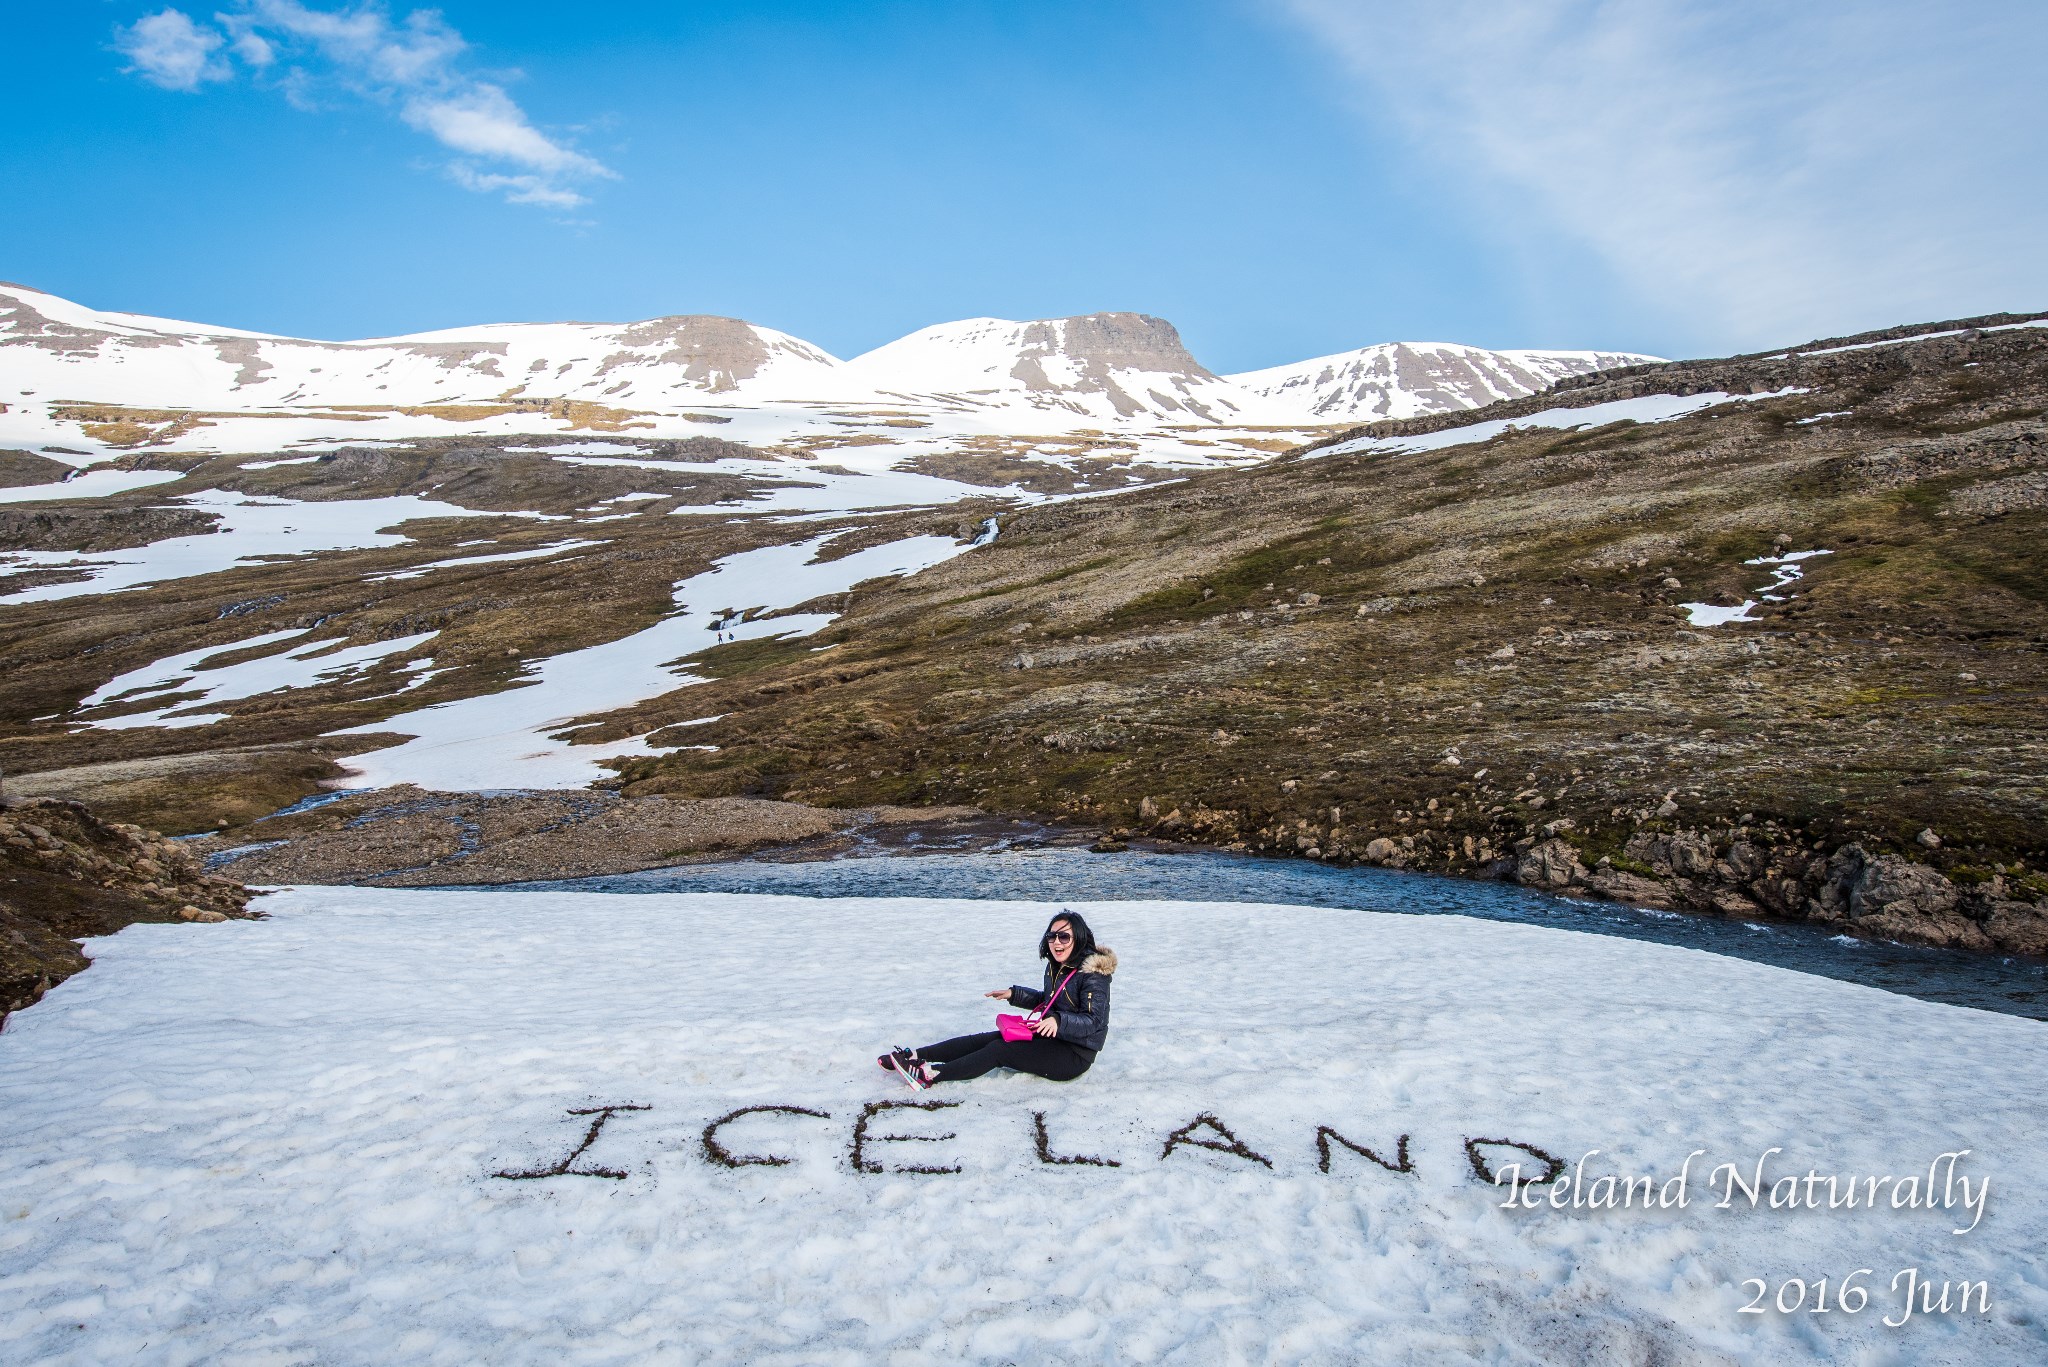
{"x": 483, "y": 121}
{"x": 362, "y": 41}
{"x": 410, "y": 64}
{"x": 1767, "y": 172}
{"x": 169, "y": 50}
{"x": 517, "y": 189}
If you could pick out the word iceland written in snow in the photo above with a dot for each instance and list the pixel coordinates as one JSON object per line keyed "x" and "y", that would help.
{"x": 1495, "y": 1161}
{"x": 745, "y": 1138}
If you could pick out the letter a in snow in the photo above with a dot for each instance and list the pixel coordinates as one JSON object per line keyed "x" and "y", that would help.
{"x": 1226, "y": 1143}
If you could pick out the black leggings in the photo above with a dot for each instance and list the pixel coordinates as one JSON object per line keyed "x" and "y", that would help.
{"x": 969, "y": 1056}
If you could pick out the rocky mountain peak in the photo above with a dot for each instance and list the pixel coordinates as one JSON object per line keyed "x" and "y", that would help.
{"x": 1116, "y": 341}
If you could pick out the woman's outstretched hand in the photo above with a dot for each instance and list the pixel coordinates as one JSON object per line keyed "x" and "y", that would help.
{"x": 1001, "y": 994}
{"x": 1048, "y": 1027}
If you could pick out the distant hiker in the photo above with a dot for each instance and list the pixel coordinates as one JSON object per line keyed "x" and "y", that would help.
{"x": 1069, "y": 1019}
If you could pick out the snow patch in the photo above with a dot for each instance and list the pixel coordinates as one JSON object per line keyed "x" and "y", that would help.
{"x": 89, "y": 484}
{"x": 281, "y": 1140}
{"x": 305, "y": 666}
{"x": 250, "y": 529}
{"x": 1646, "y": 408}
{"x": 1786, "y": 570}
{"x": 509, "y": 739}
{"x": 537, "y": 553}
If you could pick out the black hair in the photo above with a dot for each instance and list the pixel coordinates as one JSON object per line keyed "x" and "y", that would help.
{"x": 1084, "y": 939}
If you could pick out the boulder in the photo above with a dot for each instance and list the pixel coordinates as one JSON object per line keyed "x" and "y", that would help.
{"x": 1729, "y": 902}
{"x": 2017, "y": 927}
{"x": 1890, "y": 886}
{"x": 1549, "y": 863}
{"x": 1632, "y": 888}
{"x": 1745, "y": 862}
{"x": 1682, "y": 854}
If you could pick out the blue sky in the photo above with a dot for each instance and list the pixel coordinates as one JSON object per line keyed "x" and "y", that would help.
{"x": 1281, "y": 178}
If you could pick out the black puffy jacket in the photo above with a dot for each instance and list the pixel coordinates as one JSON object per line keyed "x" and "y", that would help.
{"x": 1083, "y": 1006}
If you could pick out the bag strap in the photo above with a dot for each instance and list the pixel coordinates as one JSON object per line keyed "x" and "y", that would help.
{"x": 1053, "y": 995}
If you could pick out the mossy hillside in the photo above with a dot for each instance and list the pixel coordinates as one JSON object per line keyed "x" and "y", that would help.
{"x": 1840, "y": 715}
{"x": 490, "y": 620}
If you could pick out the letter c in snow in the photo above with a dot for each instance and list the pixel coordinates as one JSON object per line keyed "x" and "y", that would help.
{"x": 716, "y": 1152}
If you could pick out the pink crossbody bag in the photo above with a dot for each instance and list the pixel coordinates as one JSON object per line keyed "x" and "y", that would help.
{"x": 1019, "y": 1027}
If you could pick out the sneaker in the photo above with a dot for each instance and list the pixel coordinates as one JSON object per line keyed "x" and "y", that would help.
{"x": 913, "y": 1071}
{"x": 908, "y": 1057}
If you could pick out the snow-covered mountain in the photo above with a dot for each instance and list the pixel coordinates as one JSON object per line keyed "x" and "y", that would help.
{"x": 1406, "y": 379}
{"x": 59, "y": 350}
{"x": 1107, "y": 366}
{"x": 1122, "y": 377}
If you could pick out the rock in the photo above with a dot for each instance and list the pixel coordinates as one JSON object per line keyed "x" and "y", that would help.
{"x": 1549, "y": 863}
{"x": 1929, "y": 839}
{"x": 1672, "y": 583}
{"x": 1379, "y": 850}
{"x": 1682, "y": 854}
{"x": 1506, "y": 652}
{"x": 1729, "y": 902}
{"x": 1628, "y": 887}
{"x": 1108, "y": 845}
{"x": 1561, "y": 825}
{"x": 1667, "y": 808}
{"x": 2017, "y": 927}
{"x": 1892, "y": 886}
{"x": 1309, "y": 600}
{"x": 1148, "y": 810}
{"x": 1895, "y": 898}
{"x": 1745, "y": 863}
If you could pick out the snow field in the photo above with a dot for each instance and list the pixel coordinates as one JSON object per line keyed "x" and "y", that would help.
{"x": 537, "y": 553}
{"x": 1644, "y": 408}
{"x": 505, "y": 739}
{"x": 250, "y": 529}
{"x": 184, "y": 675}
{"x": 91, "y": 484}
{"x": 275, "y": 1142}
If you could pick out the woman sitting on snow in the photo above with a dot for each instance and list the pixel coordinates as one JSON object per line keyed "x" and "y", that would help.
{"x": 1069, "y": 1019}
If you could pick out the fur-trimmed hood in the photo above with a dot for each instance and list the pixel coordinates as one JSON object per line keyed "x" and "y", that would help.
{"x": 1102, "y": 961}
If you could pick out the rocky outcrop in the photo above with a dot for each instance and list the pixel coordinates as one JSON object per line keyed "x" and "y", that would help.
{"x": 66, "y": 875}
{"x": 1881, "y": 896}
{"x": 109, "y": 528}
{"x": 1551, "y": 863}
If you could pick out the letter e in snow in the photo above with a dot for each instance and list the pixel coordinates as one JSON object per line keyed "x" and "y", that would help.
{"x": 861, "y": 1137}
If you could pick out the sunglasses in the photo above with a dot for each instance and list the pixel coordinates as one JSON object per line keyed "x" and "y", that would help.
{"x": 1058, "y": 937}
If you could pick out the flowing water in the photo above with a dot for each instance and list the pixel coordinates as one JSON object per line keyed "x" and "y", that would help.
{"x": 1014, "y": 870}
